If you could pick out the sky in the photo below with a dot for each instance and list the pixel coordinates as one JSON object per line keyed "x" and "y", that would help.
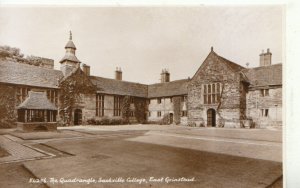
{"x": 145, "y": 40}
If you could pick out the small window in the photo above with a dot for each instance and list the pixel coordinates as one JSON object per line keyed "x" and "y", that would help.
{"x": 159, "y": 114}
{"x": 184, "y": 113}
{"x": 266, "y": 112}
{"x": 171, "y": 99}
{"x": 266, "y": 92}
{"x": 158, "y": 100}
{"x": 149, "y": 114}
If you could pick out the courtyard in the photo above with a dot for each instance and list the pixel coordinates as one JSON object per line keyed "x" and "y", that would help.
{"x": 141, "y": 156}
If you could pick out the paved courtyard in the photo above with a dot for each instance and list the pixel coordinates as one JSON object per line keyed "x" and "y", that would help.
{"x": 142, "y": 155}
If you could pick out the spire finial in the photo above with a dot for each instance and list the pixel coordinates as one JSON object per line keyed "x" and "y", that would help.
{"x": 212, "y": 48}
{"x": 70, "y": 35}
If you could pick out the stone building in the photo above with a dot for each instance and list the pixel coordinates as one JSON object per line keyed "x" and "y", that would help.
{"x": 220, "y": 94}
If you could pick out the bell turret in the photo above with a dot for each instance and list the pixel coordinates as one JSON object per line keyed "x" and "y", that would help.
{"x": 69, "y": 62}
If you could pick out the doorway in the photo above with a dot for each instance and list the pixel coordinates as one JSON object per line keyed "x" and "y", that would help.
{"x": 171, "y": 118}
{"x": 78, "y": 117}
{"x": 211, "y": 118}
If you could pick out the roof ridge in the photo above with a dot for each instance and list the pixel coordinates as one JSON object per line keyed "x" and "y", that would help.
{"x": 231, "y": 62}
{"x": 180, "y": 80}
{"x": 260, "y": 67}
{"x": 118, "y": 80}
{"x": 28, "y": 65}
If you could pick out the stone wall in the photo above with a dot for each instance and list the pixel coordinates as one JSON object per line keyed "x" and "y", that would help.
{"x": 89, "y": 110}
{"x": 88, "y": 106}
{"x": 228, "y": 109}
{"x": 109, "y": 105}
{"x": 165, "y": 107}
{"x": 8, "y": 102}
{"x": 36, "y": 126}
{"x": 256, "y": 104}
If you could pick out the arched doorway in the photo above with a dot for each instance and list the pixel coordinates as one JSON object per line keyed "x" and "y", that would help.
{"x": 78, "y": 117}
{"x": 211, "y": 118}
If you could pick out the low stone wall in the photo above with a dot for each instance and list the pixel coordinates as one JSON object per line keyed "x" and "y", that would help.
{"x": 37, "y": 126}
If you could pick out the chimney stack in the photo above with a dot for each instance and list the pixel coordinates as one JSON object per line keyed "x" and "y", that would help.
{"x": 165, "y": 76}
{"x": 265, "y": 59}
{"x": 118, "y": 73}
{"x": 86, "y": 69}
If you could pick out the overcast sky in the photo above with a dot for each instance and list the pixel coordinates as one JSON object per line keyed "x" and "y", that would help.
{"x": 143, "y": 41}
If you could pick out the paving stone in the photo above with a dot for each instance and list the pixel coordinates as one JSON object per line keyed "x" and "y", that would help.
{"x": 18, "y": 152}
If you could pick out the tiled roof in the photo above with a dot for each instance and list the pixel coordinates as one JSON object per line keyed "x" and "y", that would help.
{"x": 70, "y": 44}
{"x": 264, "y": 76}
{"x": 232, "y": 65}
{"x": 37, "y": 101}
{"x": 23, "y": 74}
{"x": 177, "y": 87}
{"x": 117, "y": 87}
{"x": 70, "y": 57}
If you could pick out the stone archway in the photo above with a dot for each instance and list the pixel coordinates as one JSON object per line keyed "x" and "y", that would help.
{"x": 211, "y": 118}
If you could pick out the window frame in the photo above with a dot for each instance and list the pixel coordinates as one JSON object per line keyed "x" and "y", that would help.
{"x": 117, "y": 105}
{"x": 100, "y": 104}
{"x": 158, "y": 113}
{"x": 212, "y": 93}
{"x": 158, "y": 100}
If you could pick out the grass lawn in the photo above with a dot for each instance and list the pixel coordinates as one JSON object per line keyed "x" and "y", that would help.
{"x": 119, "y": 158}
{"x": 15, "y": 175}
